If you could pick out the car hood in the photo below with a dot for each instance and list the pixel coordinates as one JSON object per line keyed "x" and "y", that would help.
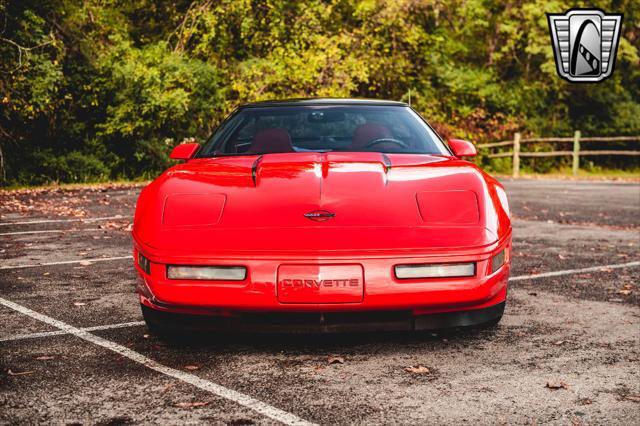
{"x": 320, "y": 202}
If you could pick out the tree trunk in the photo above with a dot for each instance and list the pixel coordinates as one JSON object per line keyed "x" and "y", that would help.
{"x": 3, "y": 173}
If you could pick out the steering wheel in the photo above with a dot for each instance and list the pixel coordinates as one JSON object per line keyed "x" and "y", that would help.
{"x": 386, "y": 140}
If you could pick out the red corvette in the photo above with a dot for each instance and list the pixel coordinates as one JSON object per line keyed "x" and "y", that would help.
{"x": 323, "y": 214}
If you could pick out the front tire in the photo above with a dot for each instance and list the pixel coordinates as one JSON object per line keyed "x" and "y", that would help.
{"x": 478, "y": 318}
{"x": 491, "y": 324}
{"x": 159, "y": 323}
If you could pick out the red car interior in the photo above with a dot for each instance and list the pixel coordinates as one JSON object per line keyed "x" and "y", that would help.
{"x": 268, "y": 141}
{"x": 368, "y": 132}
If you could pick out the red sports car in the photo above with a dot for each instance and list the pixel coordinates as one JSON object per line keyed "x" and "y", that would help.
{"x": 323, "y": 214}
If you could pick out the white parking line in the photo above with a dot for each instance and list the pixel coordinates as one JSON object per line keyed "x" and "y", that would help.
{"x": 61, "y": 332}
{"x": 68, "y": 262}
{"x": 214, "y": 388}
{"x": 52, "y": 231}
{"x": 602, "y": 268}
{"x": 79, "y": 219}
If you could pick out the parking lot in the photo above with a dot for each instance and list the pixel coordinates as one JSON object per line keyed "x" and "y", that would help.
{"x": 73, "y": 348}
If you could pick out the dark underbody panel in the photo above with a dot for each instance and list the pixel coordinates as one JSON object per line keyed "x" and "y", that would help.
{"x": 323, "y": 322}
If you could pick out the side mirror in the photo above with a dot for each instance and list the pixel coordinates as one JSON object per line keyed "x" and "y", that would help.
{"x": 184, "y": 151}
{"x": 462, "y": 148}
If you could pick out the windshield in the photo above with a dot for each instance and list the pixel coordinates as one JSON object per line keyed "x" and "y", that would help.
{"x": 282, "y": 129}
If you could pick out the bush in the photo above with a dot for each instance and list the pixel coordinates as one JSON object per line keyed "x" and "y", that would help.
{"x": 72, "y": 167}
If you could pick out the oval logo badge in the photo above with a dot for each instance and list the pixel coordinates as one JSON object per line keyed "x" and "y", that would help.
{"x": 319, "y": 215}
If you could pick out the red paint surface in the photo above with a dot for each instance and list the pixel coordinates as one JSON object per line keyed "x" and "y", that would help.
{"x": 184, "y": 151}
{"x": 377, "y": 224}
{"x": 320, "y": 283}
{"x": 434, "y": 207}
{"x": 192, "y": 210}
{"x": 462, "y": 148}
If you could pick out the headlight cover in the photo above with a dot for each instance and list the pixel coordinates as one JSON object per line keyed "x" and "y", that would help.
{"x": 193, "y": 210}
{"x": 448, "y": 207}
{"x": 212, "y": 273}
{"x": 444, "y": 270}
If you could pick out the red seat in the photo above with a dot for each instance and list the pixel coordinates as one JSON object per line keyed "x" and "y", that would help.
{"x": 368, "y": 132}
{"x": 270, "y": 141}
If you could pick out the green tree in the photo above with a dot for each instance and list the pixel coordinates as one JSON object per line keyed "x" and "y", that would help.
{"x": 101, "y": 89}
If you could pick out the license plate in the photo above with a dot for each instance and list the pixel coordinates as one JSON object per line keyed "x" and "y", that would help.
{"x": 320, "y": 283}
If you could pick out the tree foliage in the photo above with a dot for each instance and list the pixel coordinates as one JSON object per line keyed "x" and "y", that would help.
{"x": 102, "y": 89}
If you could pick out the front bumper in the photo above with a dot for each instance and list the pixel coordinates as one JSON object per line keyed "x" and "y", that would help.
{"x": 382, "y": 291}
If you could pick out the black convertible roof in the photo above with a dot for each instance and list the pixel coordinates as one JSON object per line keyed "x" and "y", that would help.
{"x": 323, "y": 101}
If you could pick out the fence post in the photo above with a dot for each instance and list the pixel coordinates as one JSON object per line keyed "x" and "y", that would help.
{"x": 516, "y": 155}
{"x": 576, "y": 152}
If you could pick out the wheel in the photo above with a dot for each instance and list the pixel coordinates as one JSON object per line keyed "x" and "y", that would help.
{"x": 471, "y": 319}
{"x": 492, "y": 323}
{"x": 159, "y": 323}
{"x": 497, "y": 316}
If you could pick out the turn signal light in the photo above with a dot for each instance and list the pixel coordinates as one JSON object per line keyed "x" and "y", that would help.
{"x": 445, "y": 270}
{"x": 214, "y": 273}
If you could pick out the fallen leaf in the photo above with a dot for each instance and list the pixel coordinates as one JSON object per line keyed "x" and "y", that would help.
{"x": 46, "y": 273}
{"x": 79, "y": 303}
{"x": 20, "y": 373}
{"x": 191, "y": 367}
{"x": 146, "y": 336}
{"x": 417, "y": 369}
{"x": 555, "y": 385}
{"x": 334, "y": 359}
{"x": 626, "y": 289}
{"x": 190, "y": 404}
{"x": 44, "y": 358}
{"x": 85, "y": 262}
{"x": 560, "y": 342}
{"x": 561, "y": 257}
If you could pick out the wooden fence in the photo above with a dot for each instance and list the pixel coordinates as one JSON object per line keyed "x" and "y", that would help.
{"x": 576, "y": 152}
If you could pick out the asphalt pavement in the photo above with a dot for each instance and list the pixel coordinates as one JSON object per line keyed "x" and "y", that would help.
{"x": 74, "y": 350}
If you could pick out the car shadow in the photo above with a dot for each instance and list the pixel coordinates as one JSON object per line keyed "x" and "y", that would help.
{"x": 321, "y": 342}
